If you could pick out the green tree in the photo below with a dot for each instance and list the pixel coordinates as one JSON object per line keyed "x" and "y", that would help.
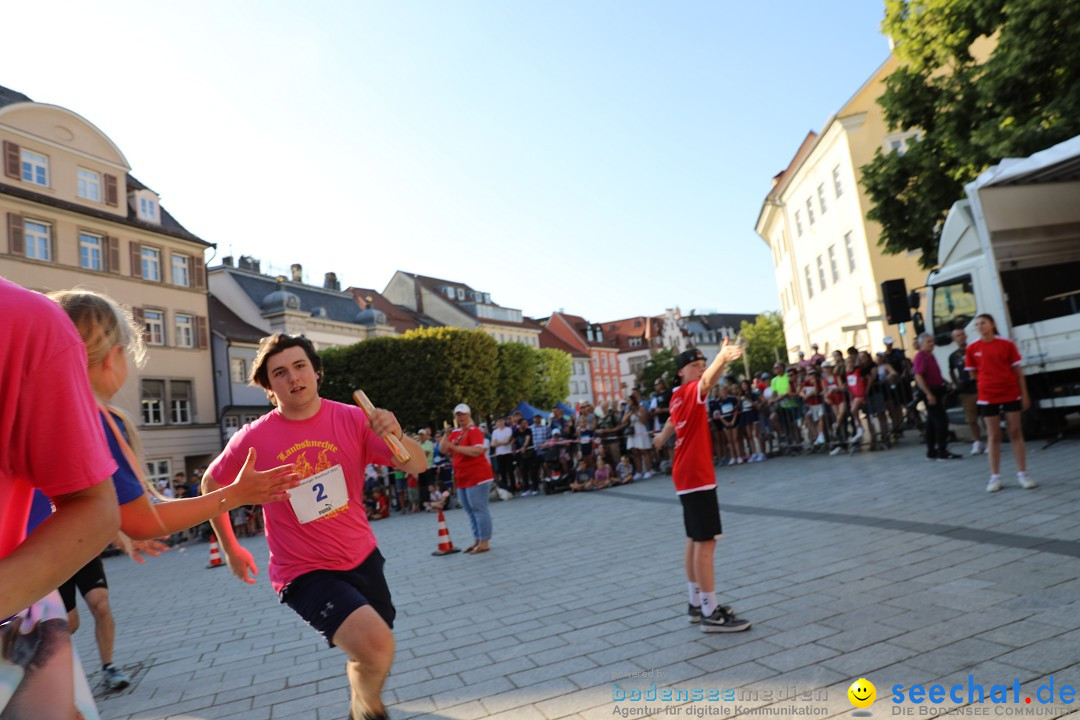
{"x": 421, "y": 375}
{"x": 552, "y": 378}
{"x": 519, "y": 371}
{"x": 764, "y": 342}
{"x": 1025, "y": 97}
{"x": 660, "y": 365}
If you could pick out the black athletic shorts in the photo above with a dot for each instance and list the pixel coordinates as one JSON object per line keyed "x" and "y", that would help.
{"x": 998, "y": 408}
{"x": 325, "y": 598}
{"x": 701, "y": 515}
{"x": 89, "y": 577}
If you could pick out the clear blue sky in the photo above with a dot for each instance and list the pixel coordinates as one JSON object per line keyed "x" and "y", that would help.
{"x": 605, "y": 157}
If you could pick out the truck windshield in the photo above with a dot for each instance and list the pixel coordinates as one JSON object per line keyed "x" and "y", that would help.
{"x": 954, "y": 306}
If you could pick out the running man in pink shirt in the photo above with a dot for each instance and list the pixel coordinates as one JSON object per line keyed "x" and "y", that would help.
{"x": 324, "y": 559}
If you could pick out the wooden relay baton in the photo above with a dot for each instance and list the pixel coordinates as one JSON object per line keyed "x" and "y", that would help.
{"x": 400, "y": 453}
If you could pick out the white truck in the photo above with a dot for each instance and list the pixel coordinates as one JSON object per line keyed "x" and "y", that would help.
{"x": 1012, "y": 249}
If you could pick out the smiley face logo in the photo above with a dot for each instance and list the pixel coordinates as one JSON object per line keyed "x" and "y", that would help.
{"x": 862, "y": 693}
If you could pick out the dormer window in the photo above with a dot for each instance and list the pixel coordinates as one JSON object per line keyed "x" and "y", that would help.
{"x": 449, "y": 292}
{"x": 148, "y": 209}
{"x": 461, "y": 293}
{"x": 145, "y": 204}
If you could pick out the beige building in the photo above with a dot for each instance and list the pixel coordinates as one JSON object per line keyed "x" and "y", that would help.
{"x": 828, "y": 265}
{"x": 455, "y": 304}
{"x": 72, "y": 216}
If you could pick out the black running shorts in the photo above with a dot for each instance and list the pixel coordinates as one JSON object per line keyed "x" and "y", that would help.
{"x": 325, "y": 598}
{"x": 89, "y": 577}
{"x": 701, "y": 515}
{"x": 998, "y": 408}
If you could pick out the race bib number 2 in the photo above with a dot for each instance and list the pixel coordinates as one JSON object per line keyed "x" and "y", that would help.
{"x": 319, "y": 495}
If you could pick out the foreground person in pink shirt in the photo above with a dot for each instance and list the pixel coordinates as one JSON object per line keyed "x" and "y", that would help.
{"x": 324, "y": 560}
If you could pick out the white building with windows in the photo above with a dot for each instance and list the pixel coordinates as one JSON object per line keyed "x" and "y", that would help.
{"x": 72, "y": 215}
{"x": 456, "y": 304}
{"x": 828, "y": 265}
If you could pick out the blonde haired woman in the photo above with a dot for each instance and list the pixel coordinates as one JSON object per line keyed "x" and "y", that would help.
{"x": 110, "y": 336}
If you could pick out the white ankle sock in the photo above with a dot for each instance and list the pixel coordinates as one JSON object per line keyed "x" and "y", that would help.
{"x": 694, "y": 591}
{"x": 708, "y": 603}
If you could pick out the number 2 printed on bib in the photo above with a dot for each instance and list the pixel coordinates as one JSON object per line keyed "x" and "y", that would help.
{"x": 319, "y": 495}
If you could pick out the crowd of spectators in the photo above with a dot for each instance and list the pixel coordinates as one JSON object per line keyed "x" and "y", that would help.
{"x": 836, "y": 404}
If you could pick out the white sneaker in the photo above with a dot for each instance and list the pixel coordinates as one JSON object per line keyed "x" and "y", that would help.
{"x": 647, "y": 475}
{"x": 837, "y": 450}
{"x": 820, "y": 439}
{"x": 1025, "y": 482}
{"x": 637, "y": 476}
{"x": 977, "y": 448}
{"x": 994, "y": 485}
{"x": 731, "y": 461}
{"x": 858, "y": 435}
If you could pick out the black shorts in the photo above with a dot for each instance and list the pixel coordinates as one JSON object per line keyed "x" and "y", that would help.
{"x": 325, "y": 598}
{"x": 701, "y": 515}
{"x": 998, "y": 408}
{"x": 89, "y": 577}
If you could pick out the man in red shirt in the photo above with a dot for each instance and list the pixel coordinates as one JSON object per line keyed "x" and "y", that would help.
{"x": 472, "y": 475}
{"x": 695, "y": 483}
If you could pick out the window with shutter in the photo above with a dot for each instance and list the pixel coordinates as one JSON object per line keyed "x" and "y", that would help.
{"x": 203, "y": 332}
{"x": 16, "y": 236}
{"x": 136, "y": 259}
{"x": 139, "y": 315}
{"x": 111, "y": 191}
{"x": 112, "y": 257}
{"x": 198, "y": 273}
{"x": 11, "y": 159}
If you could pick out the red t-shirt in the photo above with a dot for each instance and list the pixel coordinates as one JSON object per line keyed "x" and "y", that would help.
{"x": 693, "y": 467}
{"x": 469, "y": 471}
{"x": 856, "y": 383}
{"x": 336, "y": 438}
{"x": 51, "y": 436}
{"x": 994, "y": 362}
{"x": 811, "y": 391}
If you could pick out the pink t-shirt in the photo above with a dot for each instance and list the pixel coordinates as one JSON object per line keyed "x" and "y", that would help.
{"x": 50, "y": 433}
{"x": 337, "y": 435}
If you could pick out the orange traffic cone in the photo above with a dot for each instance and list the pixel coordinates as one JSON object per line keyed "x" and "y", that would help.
{"x": 446, "y": 547}
{"x": 215, "y": 553}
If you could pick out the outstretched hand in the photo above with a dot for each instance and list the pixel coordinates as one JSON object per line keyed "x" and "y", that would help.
{"x": 258, "y": 487}
{"x": 730, "y": 353}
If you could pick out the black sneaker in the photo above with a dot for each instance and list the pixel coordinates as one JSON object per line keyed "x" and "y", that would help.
{"x": 721, "y": 621}
{"x": 949, "y": 456}
{"x": 695, "y": 612}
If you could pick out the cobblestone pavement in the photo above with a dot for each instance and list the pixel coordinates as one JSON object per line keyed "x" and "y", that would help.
{"x": 881, "y": 565}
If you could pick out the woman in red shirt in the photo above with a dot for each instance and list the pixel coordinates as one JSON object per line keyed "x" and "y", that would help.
{"x": 994, "y": 365}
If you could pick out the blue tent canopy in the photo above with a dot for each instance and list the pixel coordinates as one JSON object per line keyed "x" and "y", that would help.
{"x": 565, "y": 408}
{"x": 527, "y": 411}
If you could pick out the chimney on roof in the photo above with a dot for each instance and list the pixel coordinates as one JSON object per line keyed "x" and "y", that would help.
{"x": 297, "y": 271}
{"x": 249, "y": 263}
{"x": 227, "y": 261}
{"x": 330, "y": 282}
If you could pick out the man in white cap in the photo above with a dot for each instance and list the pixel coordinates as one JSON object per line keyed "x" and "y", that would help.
{"x": 472, "y": 475}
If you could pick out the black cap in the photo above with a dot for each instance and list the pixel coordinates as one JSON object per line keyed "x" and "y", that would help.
{"x": 688, "y": 356}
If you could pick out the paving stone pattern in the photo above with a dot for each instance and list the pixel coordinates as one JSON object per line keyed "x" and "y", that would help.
{"x": 879, "y": 565}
